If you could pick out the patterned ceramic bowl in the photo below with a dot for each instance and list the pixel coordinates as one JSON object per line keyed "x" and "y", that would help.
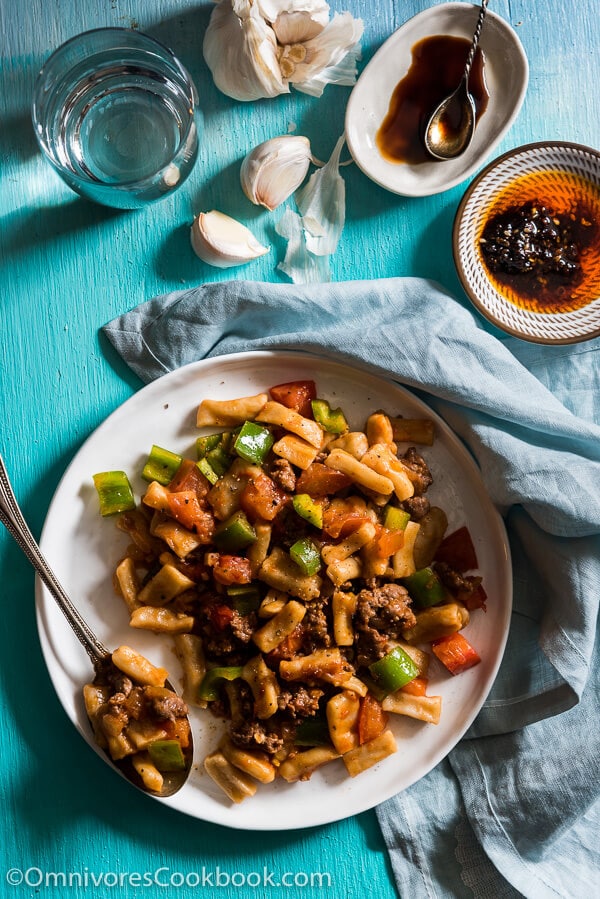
{"x": 526, "y": 242}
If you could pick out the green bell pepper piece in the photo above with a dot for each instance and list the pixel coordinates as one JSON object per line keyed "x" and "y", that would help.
{"x": 161, "y": 465}
{"x": 167, "y": 755}
{"x": 306, "y": 556}
{"x": 309, "y": 509}
{"x": 331, "y": 420}
{"x": 208, "y": 471}
{"x": 234, "y": 533}
{"x": 312, "y": 732}
{"x": 394, "y": 670}
{"x": 114, "y": 492}
{"x": 395, "y": 519}
{"x": 253, "y": 442}
{"x": 245, "y": 598}
{"x": 215, "y": 450}
{"x": 214, "y": 678}
{"x": 425, "y": 588}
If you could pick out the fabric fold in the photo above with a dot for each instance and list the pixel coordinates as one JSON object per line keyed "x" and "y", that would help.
{"x": 540, "y": 461}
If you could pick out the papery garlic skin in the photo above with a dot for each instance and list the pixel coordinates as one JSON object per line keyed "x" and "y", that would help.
{"x": 241, "y": 51}
{"x": 327, "y": 49}
{"x": 295, "y": 21}
{"x": 273, "y": 170}
{"x": 222, "y": 241}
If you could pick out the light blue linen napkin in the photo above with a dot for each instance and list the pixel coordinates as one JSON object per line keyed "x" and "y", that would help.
{"x": 515, "y": 807}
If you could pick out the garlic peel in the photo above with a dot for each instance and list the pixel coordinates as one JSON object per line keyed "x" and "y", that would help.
{"x": 273, "y": 170}
{"x": 300, "y": 265}
{"x": 222, "y": 241}
{"x": 322, "y": 205}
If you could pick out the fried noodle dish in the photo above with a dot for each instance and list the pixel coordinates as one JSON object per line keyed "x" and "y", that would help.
{"x": 306, "y": 579}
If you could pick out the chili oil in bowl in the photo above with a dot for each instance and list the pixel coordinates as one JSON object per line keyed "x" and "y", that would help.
{"x": 526, "y": 242}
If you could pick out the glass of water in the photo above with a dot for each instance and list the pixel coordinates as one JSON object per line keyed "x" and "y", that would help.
{"x": 117, "y": 116}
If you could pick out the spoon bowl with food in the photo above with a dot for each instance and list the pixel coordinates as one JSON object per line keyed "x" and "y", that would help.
{"x": 137, "y": 718}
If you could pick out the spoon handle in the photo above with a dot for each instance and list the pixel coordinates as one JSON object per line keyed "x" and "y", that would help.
{"x": 476, "y": 36}
{"x": 12, "y": 518}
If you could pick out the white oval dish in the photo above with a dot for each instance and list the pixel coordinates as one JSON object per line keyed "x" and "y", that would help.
{"x": 83, "y": 550}
{"x": 507, "y": 75}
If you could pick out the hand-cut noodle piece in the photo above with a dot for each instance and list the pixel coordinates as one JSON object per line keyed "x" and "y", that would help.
{"x": 302, "y": 765}
{"x": 296, "y": 450}
{"x": 342, "y": 720}
{"x": 161, "y": 621}
{"x": 424, "y": 708}
{"x": 235, "y": 783}
{"x": 360, "y": 474}
{"x": 369, "y": 754}
{"x": 137, "y": 667}
{"x": 229, "y": 413}
{"x": 280, "y": 626}
{"x": 276, "y": 414}
{"x": 190, "y": 652}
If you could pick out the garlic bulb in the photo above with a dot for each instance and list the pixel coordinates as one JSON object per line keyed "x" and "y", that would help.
{"x": 257, "y": 48}
{"x": 222, "y": 241}
{"x": 240, "y": 49}
{"x": 273, "y": 170}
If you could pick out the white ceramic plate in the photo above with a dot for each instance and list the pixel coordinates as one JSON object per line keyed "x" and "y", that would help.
{"x": 83, "y": 549}
{"x": 506, "y": 73}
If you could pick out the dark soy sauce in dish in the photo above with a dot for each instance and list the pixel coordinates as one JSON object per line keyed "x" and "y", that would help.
{"x": 437, "y": 66}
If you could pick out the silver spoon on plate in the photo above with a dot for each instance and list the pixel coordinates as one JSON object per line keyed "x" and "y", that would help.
{"x": 107, "y": 674}
{"x": 451, "y": 126}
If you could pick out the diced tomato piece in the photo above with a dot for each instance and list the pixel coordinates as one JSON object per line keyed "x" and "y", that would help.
{"x": 341, "y": 519}
{"x": 288, "y": 647}
{"x": 372, "y": 719}
{"x": 232, "y": 570}
{"x": 189, "y": 477}
{"x": 262, "y": 498}
{"x": 473, "y": 599}
{"x": 416, "y": 687}
{"x": 457, "y": 551}
{"x": 456, "y": 653}
{"x": 295, "y": 395}
{"x": 220, "y": 615}
{"x": 185, "y": 508}
{"x": 178, "y": 729}
{"x": 319, "y": 480}
{"x": 388, "y": 542}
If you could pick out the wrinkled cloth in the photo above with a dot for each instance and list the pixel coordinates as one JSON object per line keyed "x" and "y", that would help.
{"x": 514, "y": 809}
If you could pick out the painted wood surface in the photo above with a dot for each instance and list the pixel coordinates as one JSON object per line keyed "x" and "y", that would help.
{"x": 66, "y": 268}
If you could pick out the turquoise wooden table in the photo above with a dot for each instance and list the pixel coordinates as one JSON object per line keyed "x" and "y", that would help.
{"x": 67, "y": 267}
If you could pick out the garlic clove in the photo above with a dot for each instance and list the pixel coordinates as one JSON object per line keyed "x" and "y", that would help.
{"x": 222, "y": 241}
{"x": 273, "y": 170}
{"x": 240, "y": 49}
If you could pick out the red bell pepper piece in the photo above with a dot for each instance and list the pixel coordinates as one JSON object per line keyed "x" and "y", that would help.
{"x": 457, "y": 551}
{"x": 220, "y": 615}
{"x": 456, "y": 653}
{"x": 297, "y": 395}
{"x": 341, "y": 519}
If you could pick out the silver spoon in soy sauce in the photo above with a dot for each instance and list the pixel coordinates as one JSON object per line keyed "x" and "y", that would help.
{"x": 451, "y": 126}
{"x": 107, "y": 676}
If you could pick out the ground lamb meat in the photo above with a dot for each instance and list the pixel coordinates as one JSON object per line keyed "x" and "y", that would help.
{"x": 314, "y": 625}
{"x": 283, "y": 474}
{"x": 299, "y": 702}
{"x": 382, "y": 612}
{"x": 254, "y": 735}
{"x": 166, "y": 705}
{"x": 422, "y": 477}
{"x": 459, "y": 584}
{"x": 243, "y": 626}
{"x": 416, "y": 506}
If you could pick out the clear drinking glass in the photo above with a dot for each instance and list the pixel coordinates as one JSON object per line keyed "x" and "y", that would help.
{"x": 116, "y": 115}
